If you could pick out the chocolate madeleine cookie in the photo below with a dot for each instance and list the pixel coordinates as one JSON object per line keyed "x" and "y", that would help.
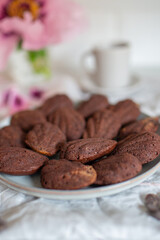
{"x": 144, "y": 125}
{"x": 127, "y": 111}
{"x": 65, "y": 175}
{"x": 69, "y": 121}
{"x": 12, "y": 136}
{"x": 27, "y": 119}
{"x": 145, "y": 146}
{"x": 45, "y": 138}
{"x": 86, "y": 150}
{"x": 20, "y": 161}
{"x": 103, "y": 124}
{"x": 118, "y": 168}
{"x": 95, "y": 103}
{"x": 55, "y": 102}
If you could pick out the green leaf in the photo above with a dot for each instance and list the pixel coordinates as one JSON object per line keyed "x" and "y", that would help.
{"x": 39, "y": 61}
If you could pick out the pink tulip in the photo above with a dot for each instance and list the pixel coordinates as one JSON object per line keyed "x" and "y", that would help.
{"x": 37, "y": 23}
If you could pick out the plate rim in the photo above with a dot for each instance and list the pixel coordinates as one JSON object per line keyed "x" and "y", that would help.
{"x": 80, "y": 193}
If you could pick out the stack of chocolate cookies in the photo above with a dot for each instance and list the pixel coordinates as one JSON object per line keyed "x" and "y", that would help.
{"x": 72, "y": 148}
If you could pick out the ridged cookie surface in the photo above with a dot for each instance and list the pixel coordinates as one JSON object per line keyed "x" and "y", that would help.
{"x": 126, "y": 110}
{"x": 27, "y": 119}
{"x": 12, "y": 136}
{"x": 45, "y": 138}
{"x": 103, "y": 124}
{"x": 95, "y": 103}
{"x": 144, "y": 125}
{"x": 55, "y": 102}
{"x": 145, "y": 146}
{"x": 69, "y": 121}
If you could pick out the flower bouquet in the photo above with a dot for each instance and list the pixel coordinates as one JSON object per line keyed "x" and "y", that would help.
{"x": 33, "y": 25}
{"x": 28, "y": 27}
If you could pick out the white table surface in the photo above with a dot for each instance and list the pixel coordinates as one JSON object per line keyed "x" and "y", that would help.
{"x": 117, "y": 217}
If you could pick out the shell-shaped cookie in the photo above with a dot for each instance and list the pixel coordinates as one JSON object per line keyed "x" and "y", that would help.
{"x": 12, "y": 136}
{"x": 65, "y": 175}
{"x": 45, "y": 138}
{"x": 96, "y": 103}
{"x": 144, "y": 125}
{"x": 103, "y": 124}
{"x": 86, "y": 150}
{"x": 127, "y": 111}
{"x": 20, "y": 161}
{"x": 145, "y": 146}
{"x": 27, "y": 119}
{"x": 55, "y": 102}
{"x": 69, "y": 121}
{"x": 115, "y": 169}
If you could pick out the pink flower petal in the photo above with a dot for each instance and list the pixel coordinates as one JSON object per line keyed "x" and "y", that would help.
{"x": 37, "y": 93}
{"x": 14, "y": 101}
{"x": 32, "y": 33}
{"x": 7, "y": 44}
{"x": 19, "y": 103}
{"x": 34, "y": 37}
{"x": 3, "y": 3}
{"x": 59, "y": 19}
{"x": 5, "y": 97}
{"x": 63, "y": 19}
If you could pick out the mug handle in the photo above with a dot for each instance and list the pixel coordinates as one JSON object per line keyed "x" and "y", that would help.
{"x": 89, "y": 70}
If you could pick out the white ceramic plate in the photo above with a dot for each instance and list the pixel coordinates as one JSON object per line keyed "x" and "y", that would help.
{"x": 31, "y": 184}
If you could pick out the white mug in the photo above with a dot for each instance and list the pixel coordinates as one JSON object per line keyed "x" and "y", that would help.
{"x": 111, "y": 65}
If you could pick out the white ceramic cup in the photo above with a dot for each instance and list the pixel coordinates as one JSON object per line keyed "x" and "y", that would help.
{"x": 111, "y": 65}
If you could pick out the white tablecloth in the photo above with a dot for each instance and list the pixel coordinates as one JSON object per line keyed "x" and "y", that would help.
{"x": 117, "y": 217}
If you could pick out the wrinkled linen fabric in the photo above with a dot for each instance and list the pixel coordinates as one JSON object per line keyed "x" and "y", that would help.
{"x": 122, "y": 216}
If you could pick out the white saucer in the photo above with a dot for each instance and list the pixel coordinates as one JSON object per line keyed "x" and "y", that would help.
{"x": 88, "y": 85}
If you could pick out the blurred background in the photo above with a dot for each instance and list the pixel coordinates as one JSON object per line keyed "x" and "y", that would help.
{"x": 32, "y": 74}
{"x": 110, "y": 20}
